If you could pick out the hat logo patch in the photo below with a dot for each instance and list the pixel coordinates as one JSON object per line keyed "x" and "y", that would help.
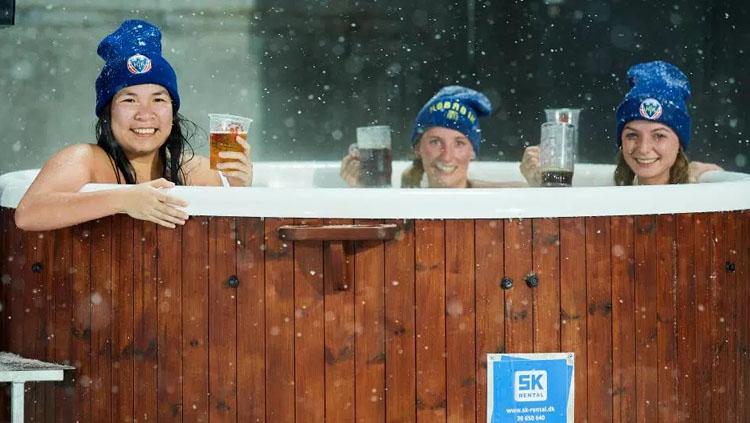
{"x": 138, "y": 64}
{"x": 650, "y": 109}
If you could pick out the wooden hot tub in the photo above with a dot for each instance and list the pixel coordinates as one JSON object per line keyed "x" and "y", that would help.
{"x": 224, "y": 320}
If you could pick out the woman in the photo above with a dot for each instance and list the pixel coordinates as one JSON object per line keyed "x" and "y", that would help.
{"x": 446, "y": 137}
{"x": 653, "y": 131}
{"x": 141, "y": 141}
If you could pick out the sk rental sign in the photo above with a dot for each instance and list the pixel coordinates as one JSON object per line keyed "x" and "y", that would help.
{"x": 530, "y": 388}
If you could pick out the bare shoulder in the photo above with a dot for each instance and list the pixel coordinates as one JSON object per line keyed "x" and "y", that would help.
{"x": 198, "y": 171}
{"x": 69, "y": 168}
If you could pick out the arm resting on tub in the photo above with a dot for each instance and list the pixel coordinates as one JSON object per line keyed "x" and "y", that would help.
{"x": 53, "y": 201}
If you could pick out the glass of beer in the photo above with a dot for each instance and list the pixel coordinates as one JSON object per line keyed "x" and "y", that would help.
{"x": 557, "y": 155}
{"x": 374, "y": 145}
{"x": 224, "y": 130}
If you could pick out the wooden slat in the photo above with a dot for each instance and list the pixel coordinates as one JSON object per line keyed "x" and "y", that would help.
{"x": 546, "y": 305}
{"x": 666, "y": 325}
{"x": 400, "y": 338}
{"x": 519, "y": 311}
{"x": 722, "y": 393}
{"x": 599, "y": 321}
{"x": 279, "y": 324}
{"x": 623, "y": 318}
{"x": 645, "y": 326}
{"x": 729, "y": 307}
{"x": 429, "y": 267}
{"x": 6, "y": 231}
{"x": 195, "y": 318}
{"x": 338, "y": 268}
{"x": 743, "y": 316}
{"x": 704, "y": 308}
{"x": 251, "y": 329}
{"x": 58, "y": 261}
{"x": 490, "y": 303}
{"x": 169, "y": 335}
{"x": 101, "y": 319}
{"x": 309, "y": 310}
{"x": 686, "y": 318}
{"x": 369, "y": 323}
{"x": 460, "y": 335}
{"x": 145, "y": 318}
{"x": 81, "y": 322}
{"x": 34, "y": 318}
{"x": 573, "y": 326}
{"x": 222, "y": 322}
{"x": 123, "y": 401}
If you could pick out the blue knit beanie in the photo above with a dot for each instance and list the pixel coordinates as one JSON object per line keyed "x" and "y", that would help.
{"x": 454, "y": 107}
{"x": 658, "y": 92}
{"x": 132, "y": 56}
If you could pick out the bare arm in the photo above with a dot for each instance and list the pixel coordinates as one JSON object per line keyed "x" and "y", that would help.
{"x": 53, "y": 201}
{"x": 696, "y": 169}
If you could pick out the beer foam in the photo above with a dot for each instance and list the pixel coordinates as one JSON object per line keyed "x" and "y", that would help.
{"x": 374, "y": 137}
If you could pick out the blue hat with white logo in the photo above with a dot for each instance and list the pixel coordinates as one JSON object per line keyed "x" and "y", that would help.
{"x": 659, "y": 92}
{"x": 132, "y": 56}
{"x": 454, "y": 107}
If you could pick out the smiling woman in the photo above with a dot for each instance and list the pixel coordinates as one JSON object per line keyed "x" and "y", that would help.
{"x": 141, "y": 140}
{"x": 653, "y": 131}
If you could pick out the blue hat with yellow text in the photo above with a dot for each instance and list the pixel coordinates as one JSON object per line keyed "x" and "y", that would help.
{"x": 454, "y": 107}
{"x": 659, "y": 92}
{"x": 132, "y": 56}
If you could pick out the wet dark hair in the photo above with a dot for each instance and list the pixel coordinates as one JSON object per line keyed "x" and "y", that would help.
{"x": 172, "y": 153}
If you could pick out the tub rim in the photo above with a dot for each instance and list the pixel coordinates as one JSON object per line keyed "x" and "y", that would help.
{"x": 719, "y": 191}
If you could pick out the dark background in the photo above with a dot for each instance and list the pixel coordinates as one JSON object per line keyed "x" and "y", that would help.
{"x": 330, "y": 66}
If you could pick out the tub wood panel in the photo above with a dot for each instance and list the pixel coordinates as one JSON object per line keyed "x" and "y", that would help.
{"x": 430, "y": 319}
{"x": 622, "y": 263}
{"x": 519, "y": 319}
{"x": 169, "y": 341}
{"x": 743, "y": 315}
{"x": 400, "y": 338}
{"x": 222, "y": 320}
{"x": 490, "y": 301}
{"x": 251, "y": 328}
{"x": 123, "y": 323}
{"x": 379, "y": 331}
{"x": 599, "y": 335}
{"x": 369, "y": 318}
{"x": 460, "y": 336}
{"x": 309, "y": 315}
{"x": 546, "y": 304}
{"x": 195, "y": 319}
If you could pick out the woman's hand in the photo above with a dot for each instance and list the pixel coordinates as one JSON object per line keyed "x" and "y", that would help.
{"x": 239, "y": 171}
{"x": 350, "y": 168}
{"x": 696, "y": 169}
{"x": 530, "y": 166}
{"x": 147, "y": 201}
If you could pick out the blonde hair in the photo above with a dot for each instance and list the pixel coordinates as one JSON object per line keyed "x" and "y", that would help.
{"x": 678, "y": 173}
{"x": 412, "y": 176}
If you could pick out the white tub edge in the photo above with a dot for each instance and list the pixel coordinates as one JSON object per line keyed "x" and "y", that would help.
{"x": 722, "y": 191}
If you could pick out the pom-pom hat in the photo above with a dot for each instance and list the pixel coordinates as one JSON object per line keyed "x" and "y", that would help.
{"x": 659, "y": 92}
{"x": 132, "y": 56}
{"x": 454, "y": 107}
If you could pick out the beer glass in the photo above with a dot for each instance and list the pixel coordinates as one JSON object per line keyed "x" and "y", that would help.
{"x": 374, "y": 145}
{"x": 224, "y": 130}
{"x": 557, "y": 155}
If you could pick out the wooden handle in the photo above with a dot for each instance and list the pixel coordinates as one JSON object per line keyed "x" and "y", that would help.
{"x": 376, "y": 232}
